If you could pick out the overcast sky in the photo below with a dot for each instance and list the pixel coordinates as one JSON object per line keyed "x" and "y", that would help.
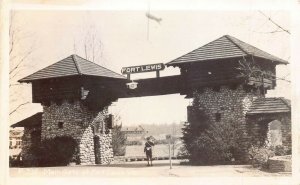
{"x": 123, "y": 35}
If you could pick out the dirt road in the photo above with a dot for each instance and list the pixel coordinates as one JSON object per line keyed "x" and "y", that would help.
{"x": 139, "y": 169}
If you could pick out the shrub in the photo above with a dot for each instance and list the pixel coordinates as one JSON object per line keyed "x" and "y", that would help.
{"x": 59, "y": 151}
{"x": 259, "y": 155}
{"x": 15, "y": 162}
{"x": 288, "y": 152}
{"x": 281, "y": 150}
{"x": 183, "y": 153}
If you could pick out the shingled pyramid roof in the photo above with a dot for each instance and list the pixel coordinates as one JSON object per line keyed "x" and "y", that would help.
{"x": 222, "y": 48}
{"x": 269, "y": 105}
{"x": 72, "y": 66}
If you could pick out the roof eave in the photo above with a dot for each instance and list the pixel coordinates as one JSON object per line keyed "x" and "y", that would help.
{"x": 24, "y": 123}
{"x": 29, "y": 81}
{"x": 173, "y": 63}
{"x": 83, "y": 75}
{"x": 95, "y": 76}
{"x": 277, "y": 62}
{"x": 177, "y": 63}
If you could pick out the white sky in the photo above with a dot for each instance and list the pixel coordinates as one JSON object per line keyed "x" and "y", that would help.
{"x": 124, "y": 39}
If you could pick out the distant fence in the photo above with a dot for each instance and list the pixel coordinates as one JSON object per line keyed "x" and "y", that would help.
{"x": 120, "y": 159}
{"x": 160, "y": 152}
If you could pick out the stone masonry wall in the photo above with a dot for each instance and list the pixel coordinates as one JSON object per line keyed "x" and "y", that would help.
{"x": 27, "y": 157}
{"x": 231, "y": 104}
{"x": 286, "y": 127}
{"x": 103, "y": 141}
{"x": 103, "y": 148}
{"x": 77, "y": 122}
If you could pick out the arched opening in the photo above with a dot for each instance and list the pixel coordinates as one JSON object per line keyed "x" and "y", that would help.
{"x": 270, "y": 132}
{"x": 275, "y": 133}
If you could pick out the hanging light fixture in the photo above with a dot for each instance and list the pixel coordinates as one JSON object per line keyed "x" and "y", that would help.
{"x": 132, "y": 85}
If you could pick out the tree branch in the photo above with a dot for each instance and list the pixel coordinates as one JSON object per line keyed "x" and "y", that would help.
{"x": 249, "y": 71}
{"x": 18, "y": 84}
{"x": 17, "y": 59}
{"x": 275, "y": 31}
{"x": 13, "y": 111}
{"x": 272, "y": 21}
{"x": 11, "y": 42}
{"x": 21, "y": 61}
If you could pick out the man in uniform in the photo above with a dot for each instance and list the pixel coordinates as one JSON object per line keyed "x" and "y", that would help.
{"x": 148, "y": 150}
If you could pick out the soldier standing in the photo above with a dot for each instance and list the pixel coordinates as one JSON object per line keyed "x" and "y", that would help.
{"x": 148, "y": 150}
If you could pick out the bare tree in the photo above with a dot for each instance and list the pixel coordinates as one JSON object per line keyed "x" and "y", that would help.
{"x": 18, "y": 56}
{"x": 250, "y": 70}
{"x": 89, "y": 45}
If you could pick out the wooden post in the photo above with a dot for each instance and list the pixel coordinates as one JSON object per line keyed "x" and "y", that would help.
{"x": 157, "y": 74}
{"x": 128, "y": 76}
{"x": 170, "y": 158}
{"x": 263, "y": 85}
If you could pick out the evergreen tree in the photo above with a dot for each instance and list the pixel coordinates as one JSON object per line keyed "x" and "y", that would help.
{"x": 118, "y": 141}
{"x": 207, "y": 142}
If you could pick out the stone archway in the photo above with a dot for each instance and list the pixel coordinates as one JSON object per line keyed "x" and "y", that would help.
{"x": 264, "y": 128}
{"x": 74, "y": 91}
{"x": 268, "y": 132}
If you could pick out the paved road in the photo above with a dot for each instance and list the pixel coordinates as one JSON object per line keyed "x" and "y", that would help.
{"x": 139, "y": 169}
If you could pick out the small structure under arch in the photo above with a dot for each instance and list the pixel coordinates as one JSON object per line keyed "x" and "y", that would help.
{"x": 265, "y": 111}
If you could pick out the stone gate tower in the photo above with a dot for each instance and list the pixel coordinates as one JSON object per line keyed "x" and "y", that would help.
{"x": 225, "y": 77}
{"x": 75, "y": 95}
